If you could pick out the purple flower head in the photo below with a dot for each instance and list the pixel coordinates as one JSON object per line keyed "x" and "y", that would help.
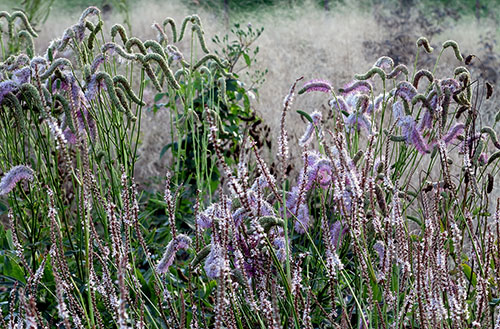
{"x": 214, "y": 264}
{"x": 406, "y": 91}
{"x": 426, "y": 120}
{"x": 7, "y": 87}
{"x": 384, "y": 62}
{"x": 324, "y": 176}
{"x": 14, "y": 175}
{"x": 415, "y": 138}
{"x": 303, "y": 220}
{"x": 412, "y": 134}
{"x": 339, "y": 104}
{"x": 453, "y": 133}
{"x": 337, "y": 231}
{"x": 180, "y": 242}
{"x": 93, "y": 88}
{"x": 22, "y": 75}
{"x": 98, "y": 60}
{"x": 39, "y": 62}
{"x": 309, "y": 133}
{"x": 357, "y": 121}
{"x": 378, "y": 104}
{"x": 451, "y": 84}
{"x": 398, "y": 111}
{"x": 174, "y": 53}
{"x": 280, "y": 248}
{"x": 355, "y": 87}
{"x": 380, "y": 249}
{"x": 205, "y": 218}
{"x": 79, "y": 31}
{"x": 316, "y": 85}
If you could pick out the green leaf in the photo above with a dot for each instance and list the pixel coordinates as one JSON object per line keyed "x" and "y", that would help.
{"x": 305, "y": 115}
{"x": 159, "y": 96}
{"x": 469, "y": 274}
{"x": 13, "y": 270}
{"x": 248, "y": 61}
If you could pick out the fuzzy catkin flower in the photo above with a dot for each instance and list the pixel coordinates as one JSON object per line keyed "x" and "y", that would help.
{"x": 15, "y": 174}
{"x": 316, "y": 85}
{"x": 356, "y": 87}
{"x": 423, "y": 42}
{"x": 181, "y": 241}
{"x": 384, "y": 62}
{"x": 406, "y": 91}
{"x": 309, "y": 133}
{"x": 453, "y": 132}
{"x": 6, "y": 87}
{"x": 456, "y": 49}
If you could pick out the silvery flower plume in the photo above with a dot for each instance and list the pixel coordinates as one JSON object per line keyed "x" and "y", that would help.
{"x": 14, "y": 175}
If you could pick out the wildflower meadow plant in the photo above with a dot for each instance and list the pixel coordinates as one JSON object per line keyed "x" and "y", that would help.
{"x": 392, "y": 220}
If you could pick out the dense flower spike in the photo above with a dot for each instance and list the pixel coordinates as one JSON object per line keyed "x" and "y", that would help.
{"x": 13, "y": 176}
{"x": 181, "y": 241}
{"x": 316, "y": 85}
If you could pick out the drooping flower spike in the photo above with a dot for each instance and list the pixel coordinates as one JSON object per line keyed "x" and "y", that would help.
{"x": 13, "y": 176}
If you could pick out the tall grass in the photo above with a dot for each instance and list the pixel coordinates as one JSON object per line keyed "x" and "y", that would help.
{"x": 360, "y": 237}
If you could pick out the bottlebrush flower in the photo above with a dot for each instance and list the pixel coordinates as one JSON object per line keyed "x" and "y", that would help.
{"x": 303, "y": 219}
{"x": 14, "y": 175}
{"x": 215, "y": 262}
{"x": 355, "y": 87}
{"x": 309, "y": 133}
{"x": 406, "y": 91}
{"x": 316, "y": 85}
{"x": 23, "y": 75}
{"x": 180, "y": 242}
{"x": 339, "y": 104}
{"x": 453, "y": 133}
{"x": 357, "y": 121}
{"x": 7, "y": 87}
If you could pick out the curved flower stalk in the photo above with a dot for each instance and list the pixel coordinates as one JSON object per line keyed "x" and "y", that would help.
{"x": 170, "y": 21}
{"x": 309, "y": 133}
{"x": 108, "y": 81}
{"x": 454, "y": 45}
{"x": 28, "y": 39}
{"x": 371, "y": 73}
{"x": 316, "y": 85}
{"x": 384, "y": 62}
{"x": 420, "y": 74}
{"x": 193, "y": 19}
{"x": 356, "y": 87}
{"x": 13, "y": 176}
{"x": 181, "y": 241}
{"x": 216, "y": 60}
{"x": 120, "y": 30}
{"x": 10, "y": 22}
{"x": 423, "y": 42}
{"x": 401, "y": 68}
{"x": 163, "y": 65}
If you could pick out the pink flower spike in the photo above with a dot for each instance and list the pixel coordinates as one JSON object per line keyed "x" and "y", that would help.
{"x": 14, "y": 175}
{"x": 316, "y": 85}
{"x": 453, "y": 132}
